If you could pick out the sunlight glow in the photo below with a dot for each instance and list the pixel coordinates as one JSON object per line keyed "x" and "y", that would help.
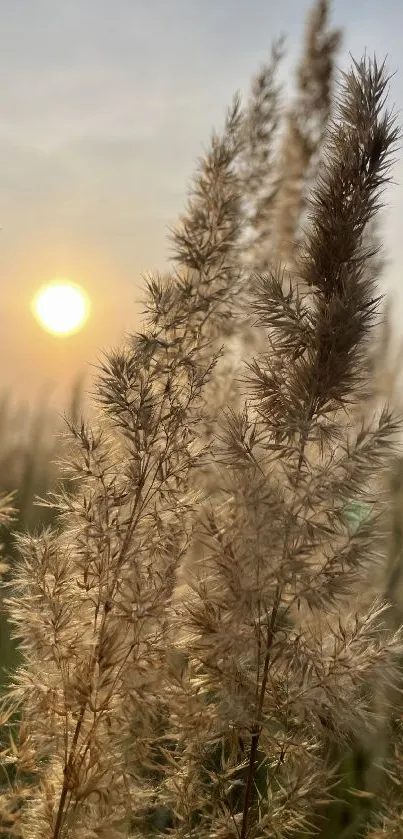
{"x": 61, "y": 307}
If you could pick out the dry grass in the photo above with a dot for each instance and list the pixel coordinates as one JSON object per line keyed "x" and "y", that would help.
{"x": 193, "y": 650}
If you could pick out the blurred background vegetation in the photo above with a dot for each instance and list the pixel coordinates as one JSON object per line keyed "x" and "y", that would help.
{"x": 31, "y": 443}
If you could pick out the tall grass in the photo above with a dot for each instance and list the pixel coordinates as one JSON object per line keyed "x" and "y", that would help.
{"x": 200, "y": 634}
{"x": 31, "y": 443}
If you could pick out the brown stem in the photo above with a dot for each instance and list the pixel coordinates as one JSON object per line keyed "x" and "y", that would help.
{"x": 270, "y": 638}
{"x": 257, "y": 729}
{"x": 68, "y": 767}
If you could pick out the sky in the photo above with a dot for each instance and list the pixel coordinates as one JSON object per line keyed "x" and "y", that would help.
{"x": 104, "y": 110}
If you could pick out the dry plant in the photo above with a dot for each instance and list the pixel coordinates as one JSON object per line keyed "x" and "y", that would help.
{"x": 388, "y": 820}
{"x": 281, "y": 156}
{"x": 306, "y": 127}
{"x": 187, "y": 647}
{"x": 29, "y": 446}
{"x": 380, "y": 756}
{"x": 283, "y": 150}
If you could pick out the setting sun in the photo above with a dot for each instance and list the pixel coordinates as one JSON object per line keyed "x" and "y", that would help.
{"x": 61, "y": 307}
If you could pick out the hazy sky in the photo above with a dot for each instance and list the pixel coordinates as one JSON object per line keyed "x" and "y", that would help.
{"x": 104, "y": 108}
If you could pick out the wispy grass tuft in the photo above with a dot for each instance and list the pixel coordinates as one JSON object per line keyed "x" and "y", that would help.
{"x": 196, "y": 642}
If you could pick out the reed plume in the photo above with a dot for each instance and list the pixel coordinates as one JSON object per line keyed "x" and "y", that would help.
{"x": 190, "y": 639}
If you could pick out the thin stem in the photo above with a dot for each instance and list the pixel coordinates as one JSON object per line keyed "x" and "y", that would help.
{"x": 67, "y": 771}
{"x": 269, "y": 644}
{"x": 257, "y": 729}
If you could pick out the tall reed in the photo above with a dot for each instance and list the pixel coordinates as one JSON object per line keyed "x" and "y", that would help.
{"x": 195, "y": 636}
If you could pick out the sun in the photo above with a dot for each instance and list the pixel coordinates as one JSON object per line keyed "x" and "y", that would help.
{"x": 61, "y": 307}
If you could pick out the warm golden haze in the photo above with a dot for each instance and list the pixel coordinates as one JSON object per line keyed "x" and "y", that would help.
{"x": 61, "y": 307}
